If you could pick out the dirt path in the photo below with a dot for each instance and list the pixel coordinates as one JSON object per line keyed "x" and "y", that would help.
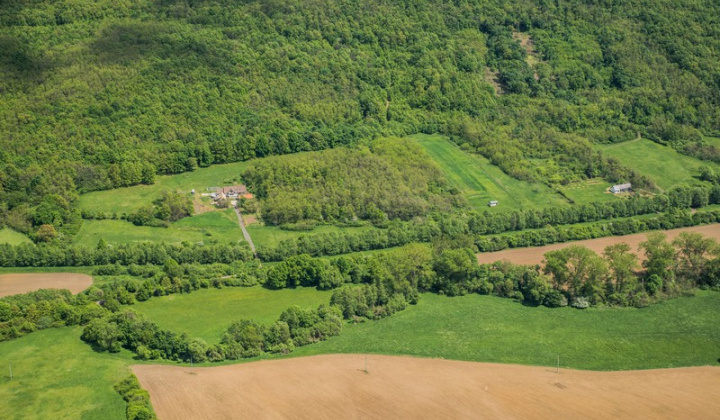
{"x": 535, "y": 255}
{"x": 13, "y": 284}
{"x": 337, "y": 387}
{"x": 245, "y": 232}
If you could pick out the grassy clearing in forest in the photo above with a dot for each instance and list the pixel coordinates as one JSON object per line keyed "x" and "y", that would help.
{"x": 273, "y": 235}
{"x": 129, "y": 199}
{"x": 678, "y": 332}
{"x": 207, "y": 313}
{"x": 218, "y": 226}
{"x": 591, "y": 190}
{"x": 481, "y": 181}
{"x": 662, "y": 164}
{"x": 58, "y": 376}
{"x": 12, "y": 237}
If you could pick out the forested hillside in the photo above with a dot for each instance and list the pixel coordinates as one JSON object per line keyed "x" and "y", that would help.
{"x": 97, "y": 94}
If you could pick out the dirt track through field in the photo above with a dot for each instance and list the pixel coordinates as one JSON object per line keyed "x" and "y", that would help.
{"x": 337, "y": 387}
{"x": 535, "y": 255}
{"x": 13, "y": 284}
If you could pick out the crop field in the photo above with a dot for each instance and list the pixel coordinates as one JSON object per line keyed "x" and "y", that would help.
{"x": 207, "y": 313}
{"x": 341, "y": 388}
{"x": 662, "y": 164}
{"x": 13, "y": 284}
{"x": 216, "y": 226}
{"x": 129, "y": 199}
{"x": 481, "y": 181}
{"x": 535, "y": 255}
{"x": 57, "y": 376}
{"x": 9, "y": 236}
{"x": 674, "y": 333}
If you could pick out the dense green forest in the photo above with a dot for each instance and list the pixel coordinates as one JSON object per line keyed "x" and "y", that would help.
{"x": 99, "y": 94}
{"x": 392, "y": 179}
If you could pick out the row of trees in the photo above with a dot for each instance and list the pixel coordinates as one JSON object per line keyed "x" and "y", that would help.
{"x": 58, "y": 254}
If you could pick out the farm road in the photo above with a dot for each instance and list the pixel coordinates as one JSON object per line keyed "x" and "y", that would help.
{"x": 245, "y": 232}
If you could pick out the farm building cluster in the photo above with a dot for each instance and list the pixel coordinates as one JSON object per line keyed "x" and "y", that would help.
{"x": 222, "y": 195}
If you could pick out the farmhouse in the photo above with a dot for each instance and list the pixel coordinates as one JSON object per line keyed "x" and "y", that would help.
{"x": 230, "y": 193}
{"x": 620, "y": 188}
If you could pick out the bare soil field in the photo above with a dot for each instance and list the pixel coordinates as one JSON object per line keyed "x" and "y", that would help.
{"x": 338, "y": 387}
{"x": 534, "y": 255}
{"x": 13, "y": 284}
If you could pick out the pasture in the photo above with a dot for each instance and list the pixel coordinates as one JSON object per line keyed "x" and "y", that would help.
{"x": 210, "y": 227}
{"x": 129, "y": 199}
{"x": 589, "y": 191}
{"x": 12, "y": 237}
{"x": 13, "y": 284}
{"x": 480, "y": 181}
{"x": 662, "y": 164}
{"x": 673, "y": 333}
{"x": 57, "y": 376}
{"x": 207, "y": 313}
{"x": 272, "y": 235}
{"x": 340, "y": 387}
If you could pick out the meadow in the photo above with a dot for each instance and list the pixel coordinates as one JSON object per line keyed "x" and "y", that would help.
{"x": 207, "y": 313}
{"x": 592, "y": 190}
{"x": 12, "y": 237}
{"x": 129, "y": 199}
{"x": 662, "y": 164}
{"x": 57, "y": 376}
{"x": 210, "y": 227}
{"x": 480, "y": 181}
{"x": 674, "y": 333}
{"x": 273, "y": 235}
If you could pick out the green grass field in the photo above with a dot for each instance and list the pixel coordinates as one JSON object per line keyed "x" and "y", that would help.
{"x": 591, "y": 190}
{"x": 273, "y": 235}
{"x": 216, "y": 226}
{"x": 207, "y": 313}
{"x": 481, "y": 181}
{"x": 665, "y": 166}
{"x": 127, "y": 200}
{"x": 57, "y": 376}
{"x": 679, "y": 332}
{"x": 12, "y": 237}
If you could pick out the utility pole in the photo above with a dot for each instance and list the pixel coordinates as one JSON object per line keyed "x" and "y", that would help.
{"x": 366, "y": 369}
{"x": 557, "y": 369}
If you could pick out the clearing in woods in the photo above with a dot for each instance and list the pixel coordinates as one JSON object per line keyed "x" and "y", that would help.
{"x": 662, "y": 164}
{"x": 13, "y": 284}
{"x": 12, "y": 237}
{"x": 480, "y": 181}
{"x": 535, "y": 255}
{"x": 207, "y": 313}
{"x": 338, "y": 386}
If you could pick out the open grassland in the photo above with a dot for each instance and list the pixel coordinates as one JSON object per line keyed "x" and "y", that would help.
{"x": 674, "y": 333}
{"x": 207, "y": 313}
{"x": 340, "y": 387}
{"x": 13, "y": 284}
{"x": 535, "y": 255}
{"x": 129, "y": 199}
{"x": 662, "y": 164}
{"x": 57, "y": 376}
{"x": 480, "y": 181}
{"x": 216, "y": 226}
{"x": 12, "y": 237}
{"x": 272, "y": 235}
{"x": 591, "y": 190}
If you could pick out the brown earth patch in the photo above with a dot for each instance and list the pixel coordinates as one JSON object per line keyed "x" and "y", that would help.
{"x": 250, "y": 219}
{"x": 337, "y": 387}
{"x": 493, "y": 78}
{"x": 13, "y": 284}
{"x": 200, "y": 207}
{"x": 535, "y": 255}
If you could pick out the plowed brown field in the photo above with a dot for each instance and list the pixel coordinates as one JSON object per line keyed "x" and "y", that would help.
{"x": 337, "y": 387}
{"x": 13, "y": 284}
{"x": 534, "y": 255}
